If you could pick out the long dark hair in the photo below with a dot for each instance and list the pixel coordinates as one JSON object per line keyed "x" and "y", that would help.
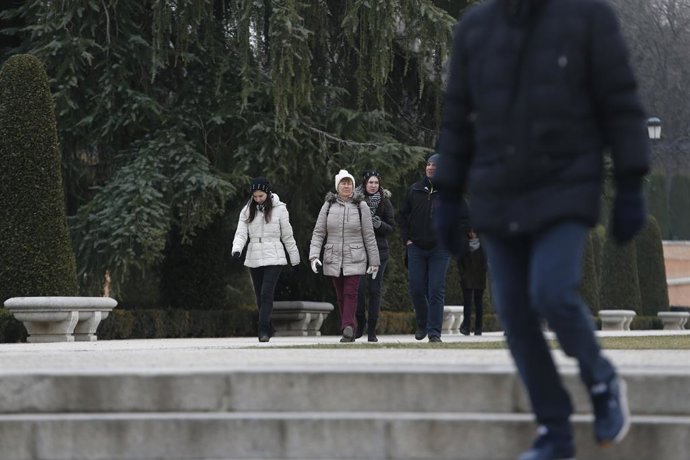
{"x": 253, "y": 207}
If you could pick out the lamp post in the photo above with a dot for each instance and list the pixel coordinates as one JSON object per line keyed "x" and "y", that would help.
{"x": 654, "y": 128}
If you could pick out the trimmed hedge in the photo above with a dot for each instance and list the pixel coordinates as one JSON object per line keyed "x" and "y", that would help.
{"x": 655, "y": 193}
{"x": 589, "y": 289}
{"x": 651, "y": 269}
{"x": 37, "y": 257}
{"x": 679, "y": 207}
{"x": 620, "y": 287}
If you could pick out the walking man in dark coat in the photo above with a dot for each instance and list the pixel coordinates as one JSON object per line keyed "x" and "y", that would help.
{"x": 537, "y": 90}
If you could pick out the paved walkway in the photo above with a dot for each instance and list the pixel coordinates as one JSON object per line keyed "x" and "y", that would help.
{"x": 196, "y": 355}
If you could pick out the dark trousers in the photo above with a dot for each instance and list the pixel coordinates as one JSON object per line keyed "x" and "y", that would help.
{"x": 426, "y": 276}
{"x": 346, "y": 291}
{"x": 370, "y": 286}
{"x": 538, "y": 276}
{"x": 470, "y": 297}
{"x": 264, "y": 280}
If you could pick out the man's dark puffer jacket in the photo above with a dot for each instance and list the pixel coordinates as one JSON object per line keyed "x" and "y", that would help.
{"x": 538, "y": 89}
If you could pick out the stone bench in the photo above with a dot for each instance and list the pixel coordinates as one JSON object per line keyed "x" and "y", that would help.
{"x": 616, "y": 320}
{"x": 299, "y": 318}
{"x": 452, "y": 319}
{"x": 60, "y": 319}
{"x": 674, "y": 320}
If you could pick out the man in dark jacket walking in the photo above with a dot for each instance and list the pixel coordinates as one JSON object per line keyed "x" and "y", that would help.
{"x": 537, "y": 90}
{"x": 427, "y": 261}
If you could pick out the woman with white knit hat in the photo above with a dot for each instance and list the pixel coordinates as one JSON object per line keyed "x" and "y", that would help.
{"x": 345, "y": 232}
{"x": 265, "y": 223}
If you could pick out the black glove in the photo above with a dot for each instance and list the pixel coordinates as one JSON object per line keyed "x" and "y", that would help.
{"x": 446, "y": 223}
{"x": 236, "y": 255}
{"x": 376, "y": 221}
{"x": 628, "y": 213}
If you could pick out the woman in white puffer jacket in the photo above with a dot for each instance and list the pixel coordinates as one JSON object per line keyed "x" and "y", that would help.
{"x": 265, "y": 223}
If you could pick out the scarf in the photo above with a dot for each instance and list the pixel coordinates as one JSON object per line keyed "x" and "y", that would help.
{"x": 474, "y": 244}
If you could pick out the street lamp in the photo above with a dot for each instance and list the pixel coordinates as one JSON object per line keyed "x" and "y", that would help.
{"x": 654, "y": 128}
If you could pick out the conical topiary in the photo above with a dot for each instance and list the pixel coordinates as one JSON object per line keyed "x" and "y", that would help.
{"x": 655, "y": 193}
{"x": 679, "y": 207}
{"x": 36, "y": 257}
{"x": 651, "y": 269}
{"x": 619, "y": 289}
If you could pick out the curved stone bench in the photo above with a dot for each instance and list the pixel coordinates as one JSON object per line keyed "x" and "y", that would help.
{"x": 299, "y": 318}
{"x": 674, "y": 320}
{"x": 616, "y": 320}
{"x": 60, "y": 319}
{"x": 452, "y": 319}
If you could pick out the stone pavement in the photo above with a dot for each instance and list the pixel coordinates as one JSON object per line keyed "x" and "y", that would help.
{"x": 303, "y": 352}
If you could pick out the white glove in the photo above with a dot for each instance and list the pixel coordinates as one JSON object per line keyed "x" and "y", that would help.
{"x": 373, "y": 270}
{"x": 316, "y": 265}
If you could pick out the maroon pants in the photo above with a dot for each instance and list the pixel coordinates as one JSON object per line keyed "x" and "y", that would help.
{"x": 346, "y": 290}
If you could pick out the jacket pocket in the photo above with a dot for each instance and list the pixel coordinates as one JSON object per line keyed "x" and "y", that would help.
{"x": 328, "y": 257}
{"x": 357, "y": 253}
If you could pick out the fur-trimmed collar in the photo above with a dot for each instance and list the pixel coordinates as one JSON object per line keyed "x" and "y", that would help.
{"x": 331, "y": 197}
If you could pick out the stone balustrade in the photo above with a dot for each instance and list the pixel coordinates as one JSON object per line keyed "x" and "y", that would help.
{"x": 452, "y": 319}
{"x": 60, "y": 319}
{"x": 616, "y": 320}
{"x": 299, "y": 318}
{"x": 674, "y": 320}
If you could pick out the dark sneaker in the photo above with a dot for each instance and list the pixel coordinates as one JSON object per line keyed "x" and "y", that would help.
{"x": 464, "y": 330}
{"x": 549, "y": 446}
{"x": 611, "y": 413}
{"x": 420, "y": 334}
{"x": 348, "y": 334}
{"x": 372, "y": 338}
{"x": 264, "y": 338}
{"x": 435, "y": 339}
{"x": 477, "y": 332}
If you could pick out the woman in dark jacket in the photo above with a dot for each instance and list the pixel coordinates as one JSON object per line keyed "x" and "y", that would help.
{"x": 381, "y": 209}
{"x": 472, "y": 268}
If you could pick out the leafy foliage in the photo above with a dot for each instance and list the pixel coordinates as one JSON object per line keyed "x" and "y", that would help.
{"x": 620, "y": 288}
{"x": 37, "y": 259}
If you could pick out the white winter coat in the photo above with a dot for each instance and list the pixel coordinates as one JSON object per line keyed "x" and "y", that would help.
{"x": 348, "y": 242}
{"x": 266, "y": 239}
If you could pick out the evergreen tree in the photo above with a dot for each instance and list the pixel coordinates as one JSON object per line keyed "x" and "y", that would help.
{"x": 655, "y": 191}
{"x": 620, "y": 289}
{"x": 651, "y": 269}
{"x": 169, "y": 108}
{"x": 36, "y": 256}
{"x": 679, "y": 207}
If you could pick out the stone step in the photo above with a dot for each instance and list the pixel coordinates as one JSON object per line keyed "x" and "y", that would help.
{"x": 494, "y": 389}
{"x": 316, "y": 435}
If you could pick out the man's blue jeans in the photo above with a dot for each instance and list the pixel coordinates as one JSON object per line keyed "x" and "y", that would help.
{"x": 426, "y": 271}
{"x": 538, "y": 276}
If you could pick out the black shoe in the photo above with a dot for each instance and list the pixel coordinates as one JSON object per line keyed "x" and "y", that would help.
{"x": 464, "y": 330}
{"x": 359, "y": 332}
{"x": 372, "y": 338}
{"x": 420, "y": 334}
{"x": 611, "y": 414}
{"x": 549, "y": 446}
{"x": 477, "y": 332}
{"x": 264, "y": 338}
{"x": 435, "y": 339}
{"x": 348, "y": 334}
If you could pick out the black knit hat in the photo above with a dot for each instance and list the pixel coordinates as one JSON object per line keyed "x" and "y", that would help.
{"x": 260, "y": 183}
{"x": 369, "y": 173}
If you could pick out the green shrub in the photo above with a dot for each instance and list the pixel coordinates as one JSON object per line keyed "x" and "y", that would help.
{"x": 657, "y": 202}
{"x": 37, "y": 258}
{"x": 679, "y": 207}
{"x": 651, "y": 269}
{"x": 619, "y": 289}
